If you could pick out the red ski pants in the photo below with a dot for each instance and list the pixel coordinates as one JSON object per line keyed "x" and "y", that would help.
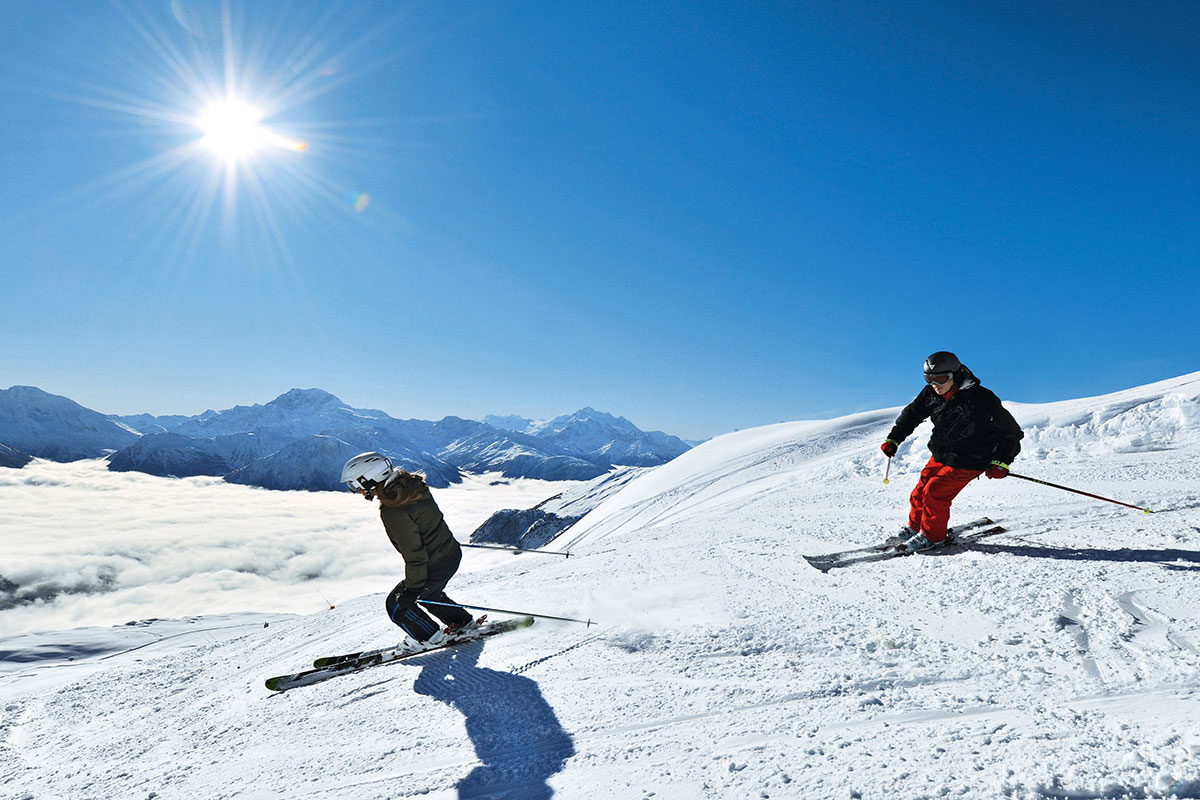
{"x": 936, "y": 488}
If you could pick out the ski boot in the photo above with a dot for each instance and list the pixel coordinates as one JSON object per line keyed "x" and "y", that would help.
{"x": 465, "y": 627}
{"x": 900, "y": 537}
{"x": 918, "y": 543}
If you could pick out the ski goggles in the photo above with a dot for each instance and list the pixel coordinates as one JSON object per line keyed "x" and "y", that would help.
{"x": 940, "y": 379}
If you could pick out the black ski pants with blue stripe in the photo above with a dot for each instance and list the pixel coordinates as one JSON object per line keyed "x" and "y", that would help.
{"x": 403, "y": 609}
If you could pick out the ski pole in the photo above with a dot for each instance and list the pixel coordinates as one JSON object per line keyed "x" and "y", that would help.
{"x": 1077, "y": 491}
{"x": 587, "y": 622}
{"x": 517, "y": 550}
{"x": 888, "y": 471}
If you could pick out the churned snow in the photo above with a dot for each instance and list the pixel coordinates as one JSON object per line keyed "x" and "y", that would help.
{"x": 1061, "y": 660}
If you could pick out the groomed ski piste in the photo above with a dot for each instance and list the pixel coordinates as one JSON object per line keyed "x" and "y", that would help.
{"x": 1059, "y": 660}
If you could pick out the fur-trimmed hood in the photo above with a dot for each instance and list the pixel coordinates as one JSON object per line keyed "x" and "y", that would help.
{"x": 403, "y": 488}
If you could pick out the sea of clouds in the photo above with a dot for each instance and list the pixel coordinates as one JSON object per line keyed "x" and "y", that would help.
{"x": 81, "y": 546}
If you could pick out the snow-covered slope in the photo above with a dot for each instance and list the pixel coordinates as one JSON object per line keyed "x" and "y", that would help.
{"x": 178, "y": 456}
{"x": 1164, "y": 416}
{"x": 315, "y": 463}
{"x": 147, "y": 424}
{"x": 1061, "y": 660}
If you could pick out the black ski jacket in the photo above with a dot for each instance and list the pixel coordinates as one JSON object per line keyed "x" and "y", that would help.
{"x": 970, "y": 430}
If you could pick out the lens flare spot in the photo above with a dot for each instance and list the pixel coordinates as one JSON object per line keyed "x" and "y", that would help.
{"x": 201, "y": 22}
{"x": 361, "y": 202}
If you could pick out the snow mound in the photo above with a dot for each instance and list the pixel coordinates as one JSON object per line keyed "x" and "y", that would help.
{"x": 723, "y": 473}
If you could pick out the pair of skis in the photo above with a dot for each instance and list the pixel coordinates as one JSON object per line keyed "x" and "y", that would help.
{"x": 333, "y": 666}
{"x": 958, "y": 536}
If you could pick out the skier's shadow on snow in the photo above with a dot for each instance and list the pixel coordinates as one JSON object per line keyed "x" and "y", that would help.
{"x": 1171, "y": 558}
{"x": 515, "y": 732}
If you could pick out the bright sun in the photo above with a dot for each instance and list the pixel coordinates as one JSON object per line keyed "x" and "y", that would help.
{"x": 233, "y": 131}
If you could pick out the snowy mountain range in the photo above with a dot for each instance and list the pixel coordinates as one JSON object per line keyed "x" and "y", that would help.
{"x": 301, "y": 439}
{"x": 599, "y": 437}
{"x": 1060, "y": 659}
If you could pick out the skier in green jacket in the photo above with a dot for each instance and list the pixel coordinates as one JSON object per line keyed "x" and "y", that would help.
{"x": 418, "y": 531}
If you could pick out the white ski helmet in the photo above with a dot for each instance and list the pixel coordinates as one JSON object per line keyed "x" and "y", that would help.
{"x": 366, "y": 471}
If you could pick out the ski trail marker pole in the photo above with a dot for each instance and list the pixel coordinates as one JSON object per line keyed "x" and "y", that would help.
{"x": 587, "y": 622}
{"x": 518, "y": 550}
{"x": 1077, "y": 491}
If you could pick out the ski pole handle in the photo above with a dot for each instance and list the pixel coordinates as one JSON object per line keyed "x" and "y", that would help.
{"x": 1077, "y": 491}
{"x": 587, "y": 622}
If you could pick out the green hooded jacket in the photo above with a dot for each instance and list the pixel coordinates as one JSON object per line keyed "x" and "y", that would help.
{"x": 416, "y": 527}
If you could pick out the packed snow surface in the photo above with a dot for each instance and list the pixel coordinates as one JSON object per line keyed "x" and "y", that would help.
{"x": 1060, "y": 660}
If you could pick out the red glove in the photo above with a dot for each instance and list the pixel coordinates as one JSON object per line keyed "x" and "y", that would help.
{"x": 888, "y": 448}
{"x": 997, "y": 470}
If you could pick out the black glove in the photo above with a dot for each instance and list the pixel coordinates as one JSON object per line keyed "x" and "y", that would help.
{"x": 997, "y": 470}
{"x": 407, "y": 596}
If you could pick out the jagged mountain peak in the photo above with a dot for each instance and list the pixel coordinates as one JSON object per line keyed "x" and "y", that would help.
{"x": 306, "y": 398}
{"x": 589, "y": 418}
{"x": 32, "y": 394}
{"x": 587, "y": 412}
{"x": 20, "y": 390}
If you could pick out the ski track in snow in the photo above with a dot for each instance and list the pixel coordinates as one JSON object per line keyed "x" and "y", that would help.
{"x": 1058, "y": 660}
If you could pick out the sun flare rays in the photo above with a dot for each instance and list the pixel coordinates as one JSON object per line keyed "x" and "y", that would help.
{"x": 229, "y": 114}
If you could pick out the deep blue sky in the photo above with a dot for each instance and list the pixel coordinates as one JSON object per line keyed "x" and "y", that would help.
{"x": 701, "y": 216}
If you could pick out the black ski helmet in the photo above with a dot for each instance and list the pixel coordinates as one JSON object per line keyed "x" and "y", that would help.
{"x": 942, "y": 363}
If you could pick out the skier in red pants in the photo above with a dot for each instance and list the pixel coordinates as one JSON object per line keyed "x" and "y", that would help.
{"x": 973, "y": 435}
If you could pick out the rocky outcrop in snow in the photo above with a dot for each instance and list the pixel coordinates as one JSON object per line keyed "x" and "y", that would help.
{"x": 14, "y": 459}
{"x": 538, "y": 526}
